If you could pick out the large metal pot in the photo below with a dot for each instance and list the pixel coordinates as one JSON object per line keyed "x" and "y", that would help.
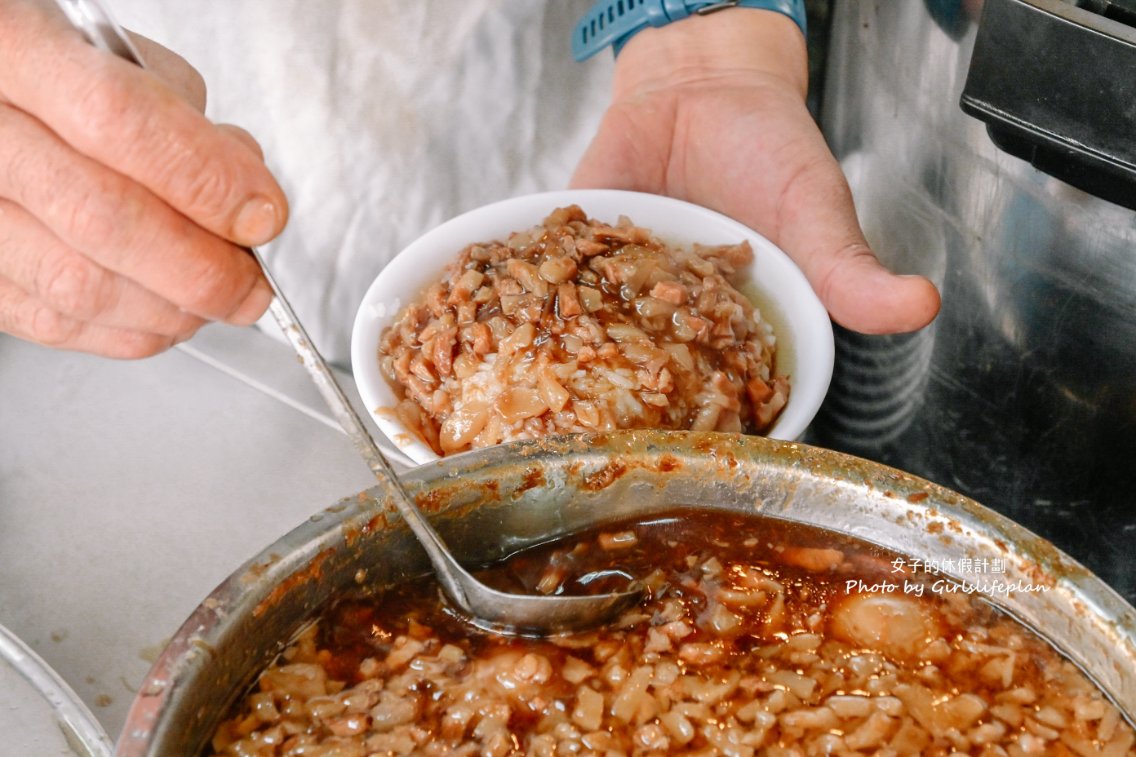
{"x": 489, "y": 503}
{"x": 1022, "y": 394}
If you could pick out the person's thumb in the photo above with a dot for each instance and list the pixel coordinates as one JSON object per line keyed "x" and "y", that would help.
{"x": 862, "y": 295}
{"x": 820, "y": 231}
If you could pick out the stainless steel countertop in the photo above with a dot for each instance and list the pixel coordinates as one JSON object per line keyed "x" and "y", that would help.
{"x": 129, "y": 490}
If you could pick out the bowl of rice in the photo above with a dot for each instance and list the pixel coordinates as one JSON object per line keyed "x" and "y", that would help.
{"x": 588, "y": 311}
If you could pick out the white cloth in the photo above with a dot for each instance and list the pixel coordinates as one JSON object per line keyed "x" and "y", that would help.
{"x": 382, "y": 118}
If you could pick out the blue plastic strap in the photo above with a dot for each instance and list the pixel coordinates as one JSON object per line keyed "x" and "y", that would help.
{"x": 613, "y": 22}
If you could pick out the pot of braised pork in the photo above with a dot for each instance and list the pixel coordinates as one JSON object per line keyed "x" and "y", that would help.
{"x": 798, "y": 601}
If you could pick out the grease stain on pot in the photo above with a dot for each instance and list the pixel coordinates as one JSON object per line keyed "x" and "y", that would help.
{"x": 313, "y": 572}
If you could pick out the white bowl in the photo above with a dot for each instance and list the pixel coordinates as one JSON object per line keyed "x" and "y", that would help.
{"x": 800, "y": 322}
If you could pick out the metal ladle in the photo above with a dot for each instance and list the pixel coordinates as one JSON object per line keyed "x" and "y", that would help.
{"x": 488, "y": 608}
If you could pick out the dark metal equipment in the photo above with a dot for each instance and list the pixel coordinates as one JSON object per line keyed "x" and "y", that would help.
{"x": 1018, "y": 204}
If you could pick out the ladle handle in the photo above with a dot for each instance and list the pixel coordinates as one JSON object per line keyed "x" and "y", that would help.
{"x": 352, "y": 424}
{"x": 94, "y": 20}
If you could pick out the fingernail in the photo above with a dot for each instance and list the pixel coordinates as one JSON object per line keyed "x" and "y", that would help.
{"x": 257, "y": 301}
{"x": 256, "y": 223}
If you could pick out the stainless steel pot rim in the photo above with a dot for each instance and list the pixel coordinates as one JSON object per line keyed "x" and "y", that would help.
{"x": 567, "y": 477}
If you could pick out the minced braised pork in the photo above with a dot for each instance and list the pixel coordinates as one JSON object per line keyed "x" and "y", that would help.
{"x": 576, "y": 326}
{"x": 751, "y": 643}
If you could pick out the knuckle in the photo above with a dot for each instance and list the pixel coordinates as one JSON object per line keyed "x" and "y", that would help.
{"x": 88, "y": 217}
{"x": 208, "y": 190}
{"x": 194, "y": 179}
{"x": 830, "y": 276}
{"x": 76, "y": 287}
{"x": 80, "y": 202}
{"x": 48, "y": 326}
{"x": 105, "y": 104}
{"x": 27, "y": 166}
{"x": 19, "y": 158}
{"x": 828, "y": 270}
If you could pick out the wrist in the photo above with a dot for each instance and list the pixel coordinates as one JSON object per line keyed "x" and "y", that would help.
{"x": 735, "y": 44}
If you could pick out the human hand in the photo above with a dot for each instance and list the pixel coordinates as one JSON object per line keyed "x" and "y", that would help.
{"x": 711, "y": 109}
{"x": 124, "y": 213}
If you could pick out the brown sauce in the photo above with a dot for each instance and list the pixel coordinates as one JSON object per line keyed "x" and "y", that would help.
{"x": 759, "y": 637}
